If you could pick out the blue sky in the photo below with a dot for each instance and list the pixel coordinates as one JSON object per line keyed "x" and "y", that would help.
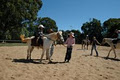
{"x": 71, "y": 14}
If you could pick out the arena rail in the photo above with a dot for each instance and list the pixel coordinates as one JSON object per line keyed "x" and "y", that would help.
{"x": 10, "y": 41}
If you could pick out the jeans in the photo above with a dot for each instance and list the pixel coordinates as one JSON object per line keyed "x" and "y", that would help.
{"x": 68, "y": 54}
{"x": 51, "y": 50}
{"x": 94, "y": 47}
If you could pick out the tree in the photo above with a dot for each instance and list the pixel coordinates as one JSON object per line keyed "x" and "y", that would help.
{"x": 48, "y": 23}
{"x": 77, "y": 35}
{"x": 109, "y": 27}
{"x": 78, "y": 38}
{"x": 92, "y": 28}
{"x": 15, "y": 13}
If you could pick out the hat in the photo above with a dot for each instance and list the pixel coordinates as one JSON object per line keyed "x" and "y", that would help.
{"x": 71, "y": 33}
{"x": 41, "y": 26}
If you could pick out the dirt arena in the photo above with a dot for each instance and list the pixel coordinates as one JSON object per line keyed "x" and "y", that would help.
{"x": 14, "y": 66}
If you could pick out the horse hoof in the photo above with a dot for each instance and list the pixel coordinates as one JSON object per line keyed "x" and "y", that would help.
{"x": 50, "y": 61}
{"x": 107, "y": 57}
{"x": 115, "y": 57}
{"x": 40, "y": 61}
{"x": 47, "y": 58}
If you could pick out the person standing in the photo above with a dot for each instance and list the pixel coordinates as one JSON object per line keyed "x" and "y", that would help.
{"x": 70, "y": 43}
{"x": 94, "y": 43}
{"x": 54, "y": 43}
{"x": 87, "y": 41}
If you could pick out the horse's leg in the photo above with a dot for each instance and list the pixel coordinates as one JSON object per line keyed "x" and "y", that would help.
{"x": 109, "y": 53}
{"x": 114, "y": 52}
{"x": 43, "y": 51}
{"x": 82, "y": 45}
{"x": 28, "y": 52}
{"x": 87, "y": 46}
{"x": 31, "y": 49}
{"x": 47, "y": 54}
{"x": 51, "y": 50}
{"x": 49, "y": 58}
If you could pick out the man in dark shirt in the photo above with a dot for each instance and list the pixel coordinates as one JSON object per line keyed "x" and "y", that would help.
{"x": 94, "y": 42}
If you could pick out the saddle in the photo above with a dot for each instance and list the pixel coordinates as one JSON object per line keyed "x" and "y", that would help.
{"x": 37, "y": 41}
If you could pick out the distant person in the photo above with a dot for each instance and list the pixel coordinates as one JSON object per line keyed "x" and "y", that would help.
{"x": 70, "y": 43}
{"x": 94, "y": 43}
{"x": 87, "y": 39}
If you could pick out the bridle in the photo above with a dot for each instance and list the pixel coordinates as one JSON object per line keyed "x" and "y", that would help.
{"x": 60, "y": 38}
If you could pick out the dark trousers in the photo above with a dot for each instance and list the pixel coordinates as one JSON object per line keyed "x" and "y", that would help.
{"x": 68, "y": 54}
{"x": 94, "y": 47}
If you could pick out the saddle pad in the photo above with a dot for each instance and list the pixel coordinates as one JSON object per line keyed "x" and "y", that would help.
{"x": 35, "y": 42}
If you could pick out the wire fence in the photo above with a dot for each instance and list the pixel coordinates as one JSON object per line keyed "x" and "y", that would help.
{"x": 10, "y": 41}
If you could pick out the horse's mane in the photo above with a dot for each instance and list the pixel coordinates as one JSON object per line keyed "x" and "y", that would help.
{"x": 54, "y": 33}
{"x": 51, "y": 34}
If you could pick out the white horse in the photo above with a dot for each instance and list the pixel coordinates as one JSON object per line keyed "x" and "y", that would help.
{"x": 85, "y": 42}
{"x": 112, "y": 45}
{"x": 47, "y": 43}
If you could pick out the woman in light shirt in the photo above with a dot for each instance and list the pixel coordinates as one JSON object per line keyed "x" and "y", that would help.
{"x": 70, "y": 43}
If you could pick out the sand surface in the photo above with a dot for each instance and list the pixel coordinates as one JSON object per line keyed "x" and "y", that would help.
{"x": 14, "y": 66}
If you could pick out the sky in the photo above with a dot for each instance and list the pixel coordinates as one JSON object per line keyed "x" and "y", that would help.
{"x": 71, "y": 14}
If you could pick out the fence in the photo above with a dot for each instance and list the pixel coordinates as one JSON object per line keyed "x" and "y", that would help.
{"x": 10, "y": 41}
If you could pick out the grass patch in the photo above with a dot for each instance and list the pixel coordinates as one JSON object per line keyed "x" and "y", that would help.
{"x": 13, "y": 44}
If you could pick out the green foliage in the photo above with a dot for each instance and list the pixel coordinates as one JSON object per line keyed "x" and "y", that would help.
{"x": 48, "y": 23}
{"x": 92, "y": 28}
{"x": 77, "y": 34}
{"x": 109, "y": 27}
{"x": 14, "y": 14}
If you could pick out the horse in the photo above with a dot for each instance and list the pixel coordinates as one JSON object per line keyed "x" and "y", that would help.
{"x": 47, "y": 43}
{"x": 113, "y": 46}
{"x": 85, "y": 42}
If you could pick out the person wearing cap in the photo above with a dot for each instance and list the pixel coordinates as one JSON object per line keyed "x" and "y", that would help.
{"x": 38, "y": 36}
{"x": 94, "y": 42}
{"x": 39, "y": 31}
{"x": 87, "y": 38}
{"x": 70, "y": 43}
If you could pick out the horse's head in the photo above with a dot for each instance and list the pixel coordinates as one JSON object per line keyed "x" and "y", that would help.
{"x": 60, "y": 37}
{"x": 103, "y": 41}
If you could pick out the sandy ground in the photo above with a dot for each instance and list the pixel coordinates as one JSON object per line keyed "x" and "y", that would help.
{"x": 14, "y": 66}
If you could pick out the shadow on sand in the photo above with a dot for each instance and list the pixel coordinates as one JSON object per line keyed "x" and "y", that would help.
{"x": 81, "y": 49}
{"x": 114, "y": 59}
{"x": 106, "y": 58}
{"x": 35, "y": 61}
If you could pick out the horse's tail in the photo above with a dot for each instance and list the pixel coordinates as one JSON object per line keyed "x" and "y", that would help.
{"x": 22, "y": 37}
